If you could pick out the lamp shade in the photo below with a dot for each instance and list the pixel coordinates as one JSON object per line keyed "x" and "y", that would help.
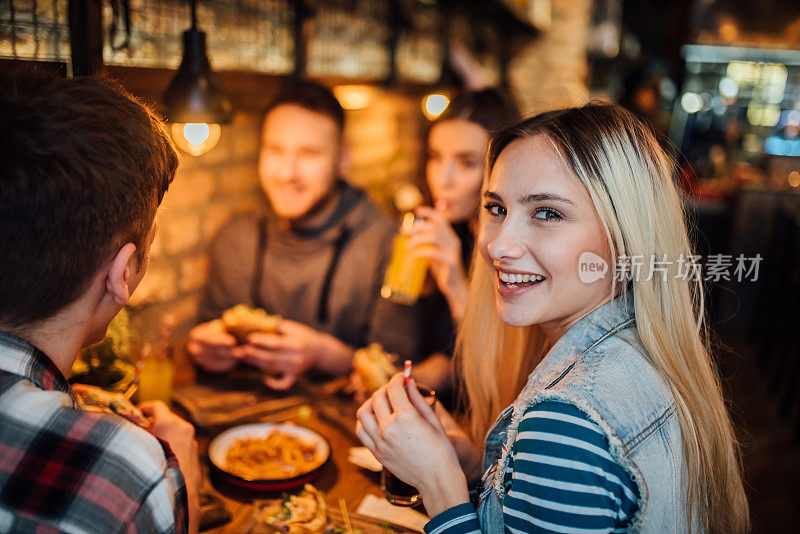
{"x": 196, "y": 94}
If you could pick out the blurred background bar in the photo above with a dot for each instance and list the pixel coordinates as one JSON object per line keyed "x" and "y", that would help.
{"x": 718, "y": 79}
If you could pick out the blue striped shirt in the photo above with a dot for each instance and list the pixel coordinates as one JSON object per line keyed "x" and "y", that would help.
{"x": 560, "y": 478}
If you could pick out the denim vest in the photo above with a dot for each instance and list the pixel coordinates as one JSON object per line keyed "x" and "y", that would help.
{"x": 600, "y": 366}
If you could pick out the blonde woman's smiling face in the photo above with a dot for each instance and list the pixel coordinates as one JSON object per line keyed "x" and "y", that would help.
{"x": 537, "y": 220}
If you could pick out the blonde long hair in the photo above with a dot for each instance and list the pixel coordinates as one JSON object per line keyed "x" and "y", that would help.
{"x": 629, "y": 178}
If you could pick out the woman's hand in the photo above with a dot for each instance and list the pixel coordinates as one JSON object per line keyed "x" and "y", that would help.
{"x": 406, "y": 436}
{"x": 433, "y": 238}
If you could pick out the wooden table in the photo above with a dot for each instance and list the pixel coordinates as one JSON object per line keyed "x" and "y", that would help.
{"x": 338, "y": 479}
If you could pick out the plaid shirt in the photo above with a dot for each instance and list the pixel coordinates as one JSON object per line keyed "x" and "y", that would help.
{"x": 63, "y": 469}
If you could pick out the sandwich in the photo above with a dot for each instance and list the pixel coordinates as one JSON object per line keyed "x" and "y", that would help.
{"x": 374, "y": 366}
{"x": 241, "y": 321}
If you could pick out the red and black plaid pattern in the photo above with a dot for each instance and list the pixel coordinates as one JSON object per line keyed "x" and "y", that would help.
{"x": 63, "y": 469}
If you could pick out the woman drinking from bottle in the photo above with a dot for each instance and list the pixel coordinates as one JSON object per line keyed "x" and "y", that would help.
{"x": 443, "y": 234}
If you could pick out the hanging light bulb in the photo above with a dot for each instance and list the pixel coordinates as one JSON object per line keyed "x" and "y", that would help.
{"x": 195, "y": 100}
{"x": 354, "y": 96}
{"x": 196, "y": 137}
{"x": 434, "y": 105}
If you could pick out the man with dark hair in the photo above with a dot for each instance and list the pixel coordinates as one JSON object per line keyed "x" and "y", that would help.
{"x": 83, "y": 169}
{"x": 316, "y": 256}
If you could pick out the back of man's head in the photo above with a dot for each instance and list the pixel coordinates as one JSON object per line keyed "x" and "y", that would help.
{"x": 83, "y": 168}
{"x": 313, "y": 97}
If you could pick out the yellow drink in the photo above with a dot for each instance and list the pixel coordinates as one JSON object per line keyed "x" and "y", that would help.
{"x": 405, "y": 276}
{"x": 155, "y": 379}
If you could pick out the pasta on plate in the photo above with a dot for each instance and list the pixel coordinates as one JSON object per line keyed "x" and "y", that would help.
{"x": 278, "y": 456}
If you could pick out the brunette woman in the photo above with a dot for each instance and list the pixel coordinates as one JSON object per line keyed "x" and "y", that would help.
{"x": 444, "y": 234}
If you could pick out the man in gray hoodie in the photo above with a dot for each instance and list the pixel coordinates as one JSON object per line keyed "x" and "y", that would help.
{"x": 316, "y": 255}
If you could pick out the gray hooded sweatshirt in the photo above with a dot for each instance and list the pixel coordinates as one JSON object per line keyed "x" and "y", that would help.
{"x": 328, "y": 277}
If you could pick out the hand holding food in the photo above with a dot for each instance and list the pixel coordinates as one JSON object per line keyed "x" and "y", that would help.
{"x": 211, "y": 347}
{"x": 294, "y": 350}
{"x": 285, "y": 355}
{"x": 241, "y": 321}
{"x": 374, "y": 367}
{"x": 169, "y": 427}
{"x": 95, "y": 399}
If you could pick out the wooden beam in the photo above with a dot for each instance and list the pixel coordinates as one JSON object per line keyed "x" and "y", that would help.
{"x": 59, "y": 68}
{"x": 301, "y": 27}
{"x": 248, "y": 91}
{"x": 395, "y": 32}
{"x": 86, "y": 36}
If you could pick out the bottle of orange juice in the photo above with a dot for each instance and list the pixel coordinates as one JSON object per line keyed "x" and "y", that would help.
{"x": 405, "y": 276}
{"x": 157, "y": 367}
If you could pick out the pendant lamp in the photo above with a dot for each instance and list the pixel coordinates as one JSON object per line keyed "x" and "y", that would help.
{"x": 195, "y": 100}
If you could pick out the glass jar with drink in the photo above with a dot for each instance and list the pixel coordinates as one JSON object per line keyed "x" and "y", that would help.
{"x": 395, "y": 490}
{"x": 156, "y": 367}
{"x": 405, "y": 276}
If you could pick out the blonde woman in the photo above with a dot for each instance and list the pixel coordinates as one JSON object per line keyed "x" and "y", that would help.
{"x": 591, "y": 386}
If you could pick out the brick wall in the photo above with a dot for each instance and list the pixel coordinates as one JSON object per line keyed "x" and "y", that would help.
{"x": 552, "y": 71}
{"x": 385, "y": 147}
{"x": 385, "y": 140}
{"x": 206, "y": 191}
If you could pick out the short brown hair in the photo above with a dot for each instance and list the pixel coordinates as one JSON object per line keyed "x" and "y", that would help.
{"x": 83, "y": 168}
{"x": 313, "y": 97}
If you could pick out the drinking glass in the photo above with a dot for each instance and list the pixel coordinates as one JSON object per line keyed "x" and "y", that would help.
{"x": 395, "y": 490}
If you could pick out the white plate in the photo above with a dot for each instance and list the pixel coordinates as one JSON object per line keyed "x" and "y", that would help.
{"x": 219, "y": 446}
